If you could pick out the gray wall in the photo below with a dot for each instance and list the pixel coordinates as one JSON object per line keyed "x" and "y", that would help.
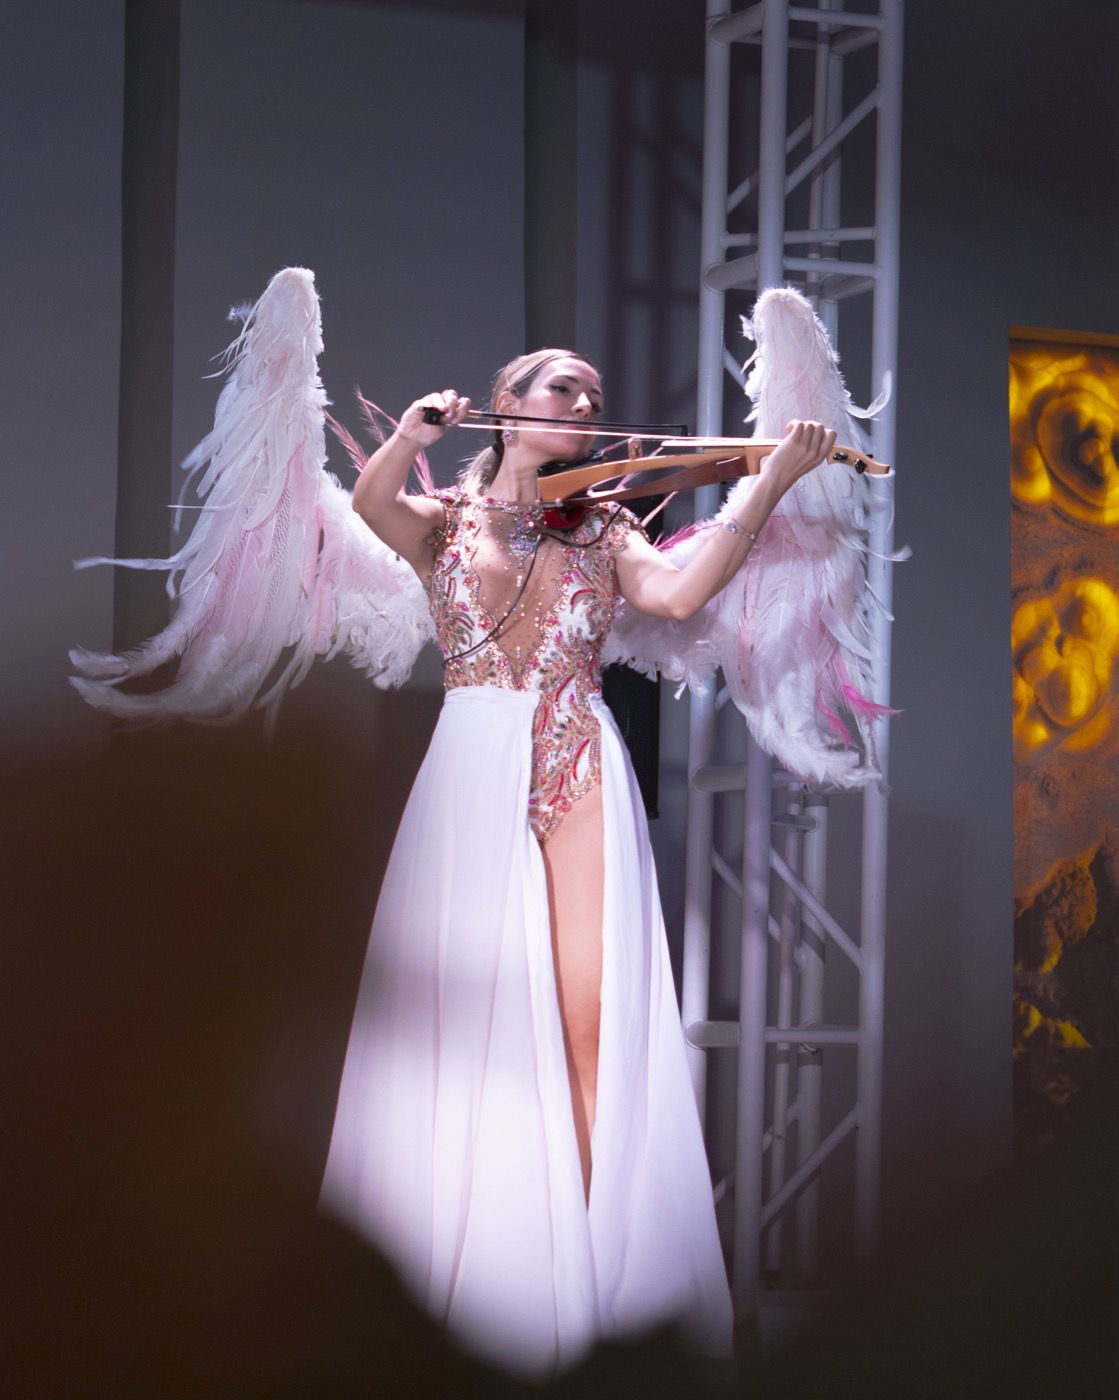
{"x": 1010, "y": 199}
{"x": 61, "y": 109}
{"x": 382, "y": 145}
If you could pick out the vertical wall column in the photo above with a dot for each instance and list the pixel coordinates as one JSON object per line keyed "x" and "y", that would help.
{"x": 551, "y": 186}
{"x": 148, "y": 182}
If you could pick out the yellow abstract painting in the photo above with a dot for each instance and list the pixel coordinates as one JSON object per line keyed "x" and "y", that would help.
{"x": 1064, "y": 638}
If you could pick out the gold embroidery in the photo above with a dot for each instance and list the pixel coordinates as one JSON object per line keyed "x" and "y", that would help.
{"x": 505, "y": 620}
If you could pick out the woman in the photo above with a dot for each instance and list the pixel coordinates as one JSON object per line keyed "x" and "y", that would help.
{"x": 515, "y": 1125}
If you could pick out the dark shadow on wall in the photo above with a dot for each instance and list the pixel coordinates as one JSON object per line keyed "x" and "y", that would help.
{"x": 926, "y": 993}
{"x": 652, "y": 246}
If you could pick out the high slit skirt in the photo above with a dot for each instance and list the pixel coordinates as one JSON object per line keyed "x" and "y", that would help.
{"x": 454, "y": 1149}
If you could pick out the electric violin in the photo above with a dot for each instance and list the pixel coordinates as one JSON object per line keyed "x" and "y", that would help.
{"x": 682, "y": 462}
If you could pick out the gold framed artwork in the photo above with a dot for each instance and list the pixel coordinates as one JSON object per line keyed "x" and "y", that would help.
{"x": 1064, "y": 485}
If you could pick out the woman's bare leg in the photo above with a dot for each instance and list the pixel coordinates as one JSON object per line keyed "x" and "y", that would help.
{"x": 573, "y": 860}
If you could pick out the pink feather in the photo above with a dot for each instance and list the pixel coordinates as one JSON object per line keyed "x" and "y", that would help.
{"x": 277, "y": 568}
{"x": 791, "y": 631}
{"x": 381, "y": 425}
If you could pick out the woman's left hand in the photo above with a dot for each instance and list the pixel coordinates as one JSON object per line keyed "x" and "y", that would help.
{"x": 804, "y": 446}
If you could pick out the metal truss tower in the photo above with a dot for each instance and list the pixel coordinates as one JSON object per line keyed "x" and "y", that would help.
{"x": 791, "y": 1121}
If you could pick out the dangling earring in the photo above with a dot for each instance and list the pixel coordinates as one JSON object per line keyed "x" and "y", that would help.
{"x": 509, "y": 435}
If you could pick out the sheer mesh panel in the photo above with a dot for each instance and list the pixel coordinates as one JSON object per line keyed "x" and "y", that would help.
{"x": 506, "y": 618}
{"x": 500, "y": 563}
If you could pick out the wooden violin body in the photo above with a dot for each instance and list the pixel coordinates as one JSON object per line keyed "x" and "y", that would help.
{"x": 707, "y": 461}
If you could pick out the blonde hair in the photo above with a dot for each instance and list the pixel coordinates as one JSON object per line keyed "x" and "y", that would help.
{"x": 516, "y": 378}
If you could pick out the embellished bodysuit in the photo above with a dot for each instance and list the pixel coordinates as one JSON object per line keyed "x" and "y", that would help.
{"x": 524, "y": 606}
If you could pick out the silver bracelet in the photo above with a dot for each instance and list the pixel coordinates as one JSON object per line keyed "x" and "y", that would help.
{"x": 737, "y": 529}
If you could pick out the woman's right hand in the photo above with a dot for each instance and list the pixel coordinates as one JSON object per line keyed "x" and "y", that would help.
{"x": 412, "y": 426}
{"x": 402, "y": 520}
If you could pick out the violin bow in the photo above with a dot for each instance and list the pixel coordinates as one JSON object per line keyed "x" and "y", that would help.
{"x": 476, "y": 418}
{"x": 697, "y": 461}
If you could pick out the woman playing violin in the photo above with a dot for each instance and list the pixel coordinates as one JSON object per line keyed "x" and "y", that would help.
{"x": 516, "y": 1126}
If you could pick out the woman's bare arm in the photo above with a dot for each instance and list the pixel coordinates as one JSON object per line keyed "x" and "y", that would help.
{"x": 653, "y": 584}
{"x": 405, "y": 522}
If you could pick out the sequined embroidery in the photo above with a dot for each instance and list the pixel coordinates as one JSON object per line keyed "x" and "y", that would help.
{"x": 522, "y": 537}
{"x": 549, "y": 618}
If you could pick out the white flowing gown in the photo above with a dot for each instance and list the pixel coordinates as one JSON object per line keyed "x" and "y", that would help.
{"x": 454, "y": 1147}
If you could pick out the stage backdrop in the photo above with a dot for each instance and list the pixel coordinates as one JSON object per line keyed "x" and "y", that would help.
{"x": 1064, "y": 422}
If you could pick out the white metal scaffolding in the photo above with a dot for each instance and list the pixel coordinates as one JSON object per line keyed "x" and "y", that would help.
{"x": 787, "y": 1126}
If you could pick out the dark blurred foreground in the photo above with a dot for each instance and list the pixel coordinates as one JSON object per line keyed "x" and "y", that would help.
{"x": 185, "y": 916}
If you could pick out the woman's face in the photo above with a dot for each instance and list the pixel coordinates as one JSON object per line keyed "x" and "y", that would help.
{"x": 565, "y": 388}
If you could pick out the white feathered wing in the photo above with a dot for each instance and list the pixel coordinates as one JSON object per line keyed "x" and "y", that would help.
{"x": 791, "y": 631}
{"x": 278, "y": 569}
